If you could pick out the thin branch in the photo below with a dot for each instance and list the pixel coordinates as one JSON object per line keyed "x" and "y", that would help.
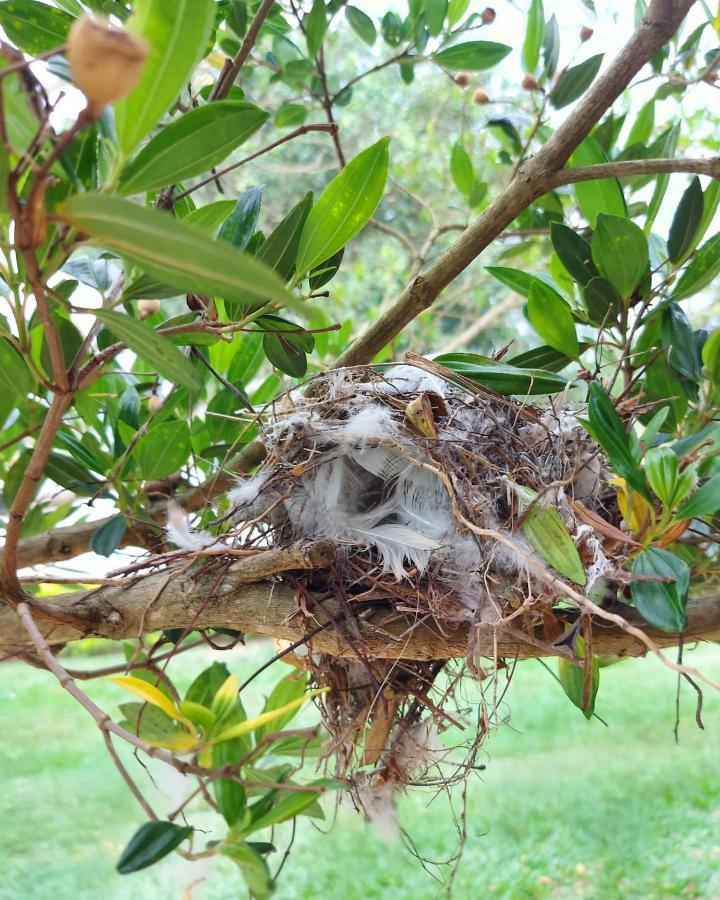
{"x": 532, "y": 180}
{"x": 232, "y": 67}
{"x": 630, "y": 167}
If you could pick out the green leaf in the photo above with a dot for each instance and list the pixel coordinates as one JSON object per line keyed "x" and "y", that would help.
{"x": 207, "y": 684}
{"x": 163, "y": 450}
{"x": 315, "y": 27}
{"x": 152, "y": 347}
{"x": 361, "y": 24}
{"x": 520, "y": 281}
{"x": 151, "y": 842}
{"x": 237, "y": 18}
{"x": 279, "y": 251}
{"x": 435, "y": 12}
{"x": 677, "y": 335}
{"x": 602, "y": 301}
{"x": 173, "y": 252}
{"x": 229, "y": 794}
{"x": 686, "y": 222}
{"x": 106, "y": 539}
{"x": 473, "y": 55}
{"x": 240, "y": 225}
{"x": 344, "y": 207}
{"x": 34, "y": 27}
{"x": 461, "y": 169}
{"x": 289, "y": 688}
{"x": 290, "y": 114}
{"x": 325, "y": 271}
{"x": 14, "y": 374}
{"x": 551, "y": 318}
{"x": 620, "y": 252}
{"x": 710, "y": 357}
{"x": 291, "y": 805}
{"x": 253, "y": 867}
{"x": 456, "y": 10}
{"x": 191, "y": 144}
{"x": 573, "y": 251}
{"x": 666, "y": 150}
{"x": 661, "y": 470}
{"x": 544, "y": 528}
{"x": 551, "y": 47}
{"x": 601, "y": 196}
{"x": 607, "y": 429}
{"x": 543, "y": 357}
{"x": 70, "y": 341}
{"x": 643, "y": 125}
{"x": 573, "y": 82}
{"x": 286, "y": 351}
{"x": 502, "y": 378}
{"x": 702, "y": 269}
{"x": 177, "y": 34}
{"x": 534, "y": 35}
{"x": 572, "y": 678}
{"x": 391, "y": 26}
{"x": 211, "y": 216}
{"x": 661, "y": 603}
{"x": 704, "y": 502}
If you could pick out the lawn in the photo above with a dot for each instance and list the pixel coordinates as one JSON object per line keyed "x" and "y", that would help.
{"x": 565, "y": 807}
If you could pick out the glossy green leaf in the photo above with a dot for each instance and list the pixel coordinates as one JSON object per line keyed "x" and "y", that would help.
{"x": 701, "y": 270}
{"x": 315, "y": 27}
{"x": 344, "y": 207}
{"x": 551, "y": 318}
{"x": 661, "y": 603}
{"x": 173, "y": 252}
{"x": 677, "y": 335}
{"x": 361, "y": 24}
{"x": 290, "y": 805}
{"x": 163, "y": 450}
{"x": 704, "y": 502}
{"x": 574, "y": 252}
{"x": 620, "y": 252}
{"x": 240, "y": 225}
{"x": 289, "y": 688}
{"x": 151, "y": 842}
{"x": 521, "y": 281}
{"x": 607, "y": 429}
{"x": 461, "y": 169}
{"x": 473, "y": 55}
{"x": 191, "y": 144}
{"x": 279, "y": 251}
{"x": 534, "y": 35}
{"x": 34, "y": 27}
{"x": 152, "y": 347}
{"x": 544, "y": 357}
{"x": 686, "y": 222}
{"x": 211, "y": 216}
{"x": 15, "y": 376}
{"x": 106, "y": 539}
{"x": 544, "y": 528}
{"x": 502, "y": 378}
{"x": 667, "y": 151}
{"x": 602, "y": 301}
{"x": 229, "y": 794}
{"x": 288, "y": 352}
{"x": 253, "y": 867}
{"x": 326, "y": 270}
{"x": 435, "y": 12}
{"x": 603, "y": 195}
{"x": 663, "y": 475}
{"x": 572, "y": 678}
{"x": 573, "y": 82}
{"x": 711, "y": 357}
{"x": 207, "y": 683}
{"x": 177, "y": 33}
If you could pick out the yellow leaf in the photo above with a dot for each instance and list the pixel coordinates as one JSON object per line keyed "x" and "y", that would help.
{"x": 151, "y": 694}
{"x": 636, "y": 511}
{"x": 251, "y": 724}
{"x": 225, "y": 697}
{"x": 177, "y": 743}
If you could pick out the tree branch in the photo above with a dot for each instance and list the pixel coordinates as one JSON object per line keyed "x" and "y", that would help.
{"x": 232, "y": 67}
{"x": 533, "y": 179}
{"x": 271, "y": 608}
{"x": 627, "y": 168}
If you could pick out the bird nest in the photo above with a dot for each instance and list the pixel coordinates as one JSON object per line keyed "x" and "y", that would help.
{"x": 447, "y": 504}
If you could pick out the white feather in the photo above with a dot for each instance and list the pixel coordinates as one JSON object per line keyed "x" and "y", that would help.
{"x": 372, "y": 423}
{"x": 247, "y": 490}
{"x": 180, "y": 532}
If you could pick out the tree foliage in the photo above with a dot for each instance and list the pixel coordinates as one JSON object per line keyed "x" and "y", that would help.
{"x": 156, "y": 298}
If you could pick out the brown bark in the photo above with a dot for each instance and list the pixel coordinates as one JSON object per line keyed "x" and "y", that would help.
{"x": 271, "y": 608}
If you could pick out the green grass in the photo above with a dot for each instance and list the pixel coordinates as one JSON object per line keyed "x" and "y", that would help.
{"x": 565, "y": 808}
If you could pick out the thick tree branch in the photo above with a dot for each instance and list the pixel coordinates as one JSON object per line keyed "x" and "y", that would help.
{"x": 270, "y": 608}
{"x": 533, "y": 179}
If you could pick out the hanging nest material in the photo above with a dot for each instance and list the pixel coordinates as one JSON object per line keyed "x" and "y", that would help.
{"x": 446, "y": 503}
